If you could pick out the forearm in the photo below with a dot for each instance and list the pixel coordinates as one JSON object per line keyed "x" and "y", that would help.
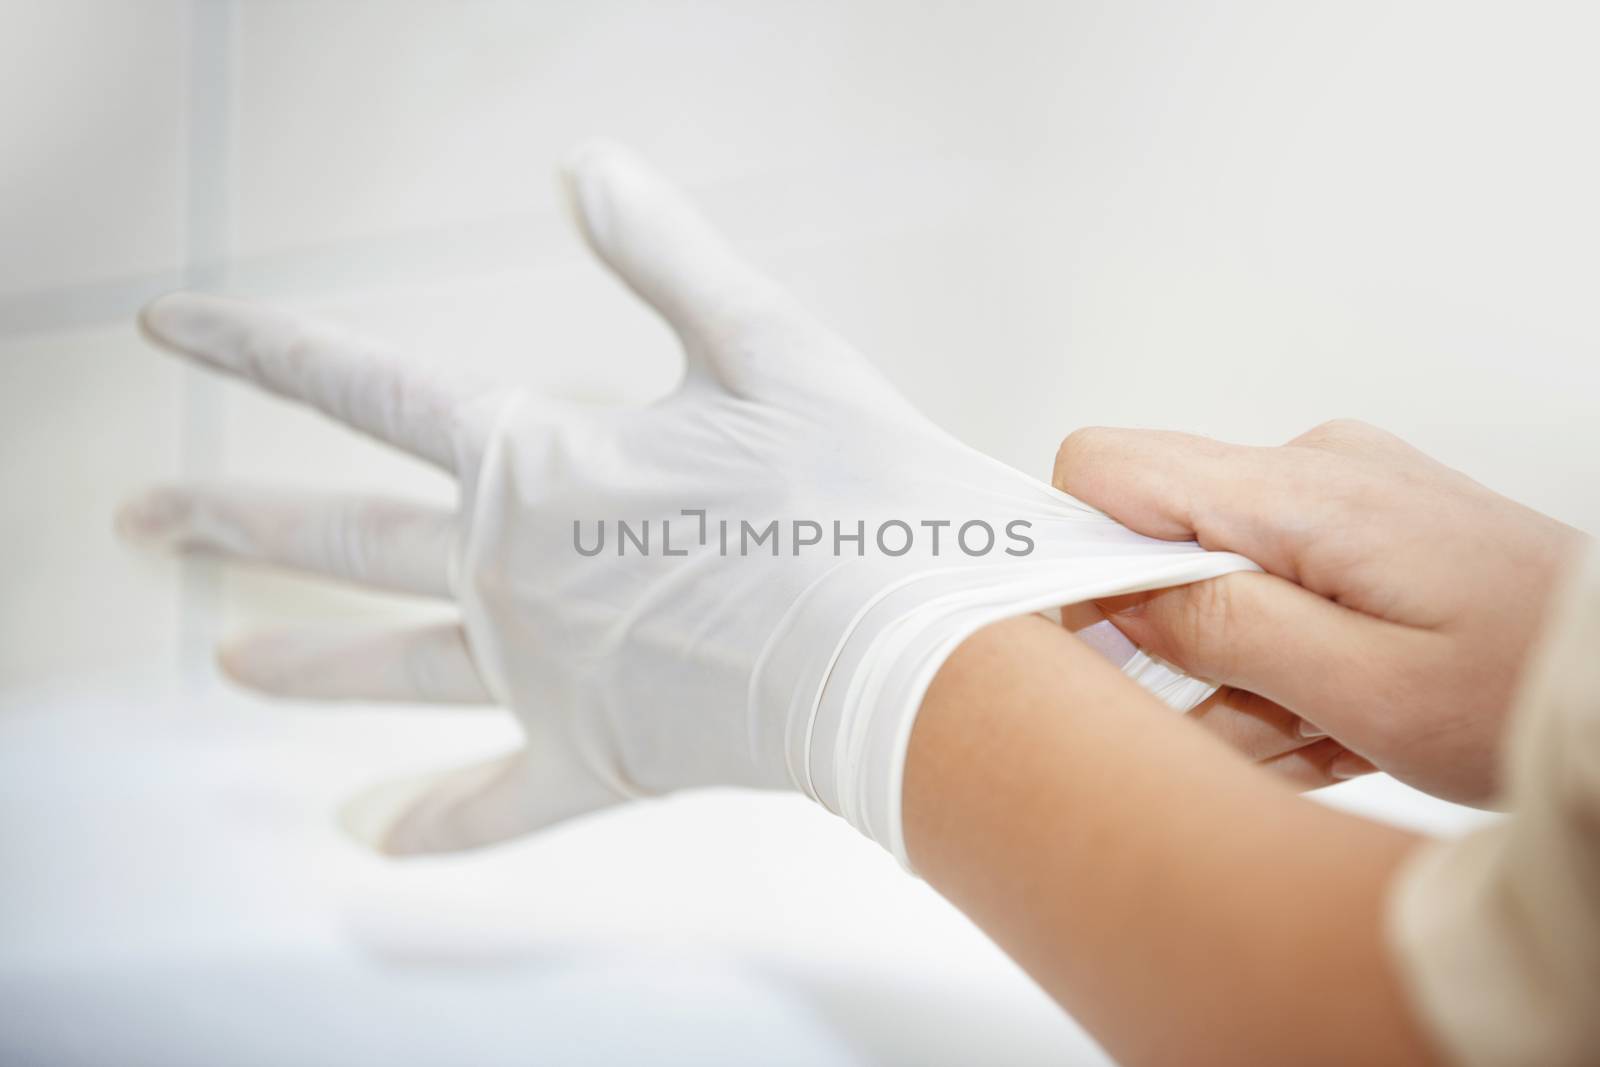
{"x": 1184, "y": 906}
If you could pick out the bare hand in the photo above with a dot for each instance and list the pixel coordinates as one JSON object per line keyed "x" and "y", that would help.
{"x": 1400, "y": 597}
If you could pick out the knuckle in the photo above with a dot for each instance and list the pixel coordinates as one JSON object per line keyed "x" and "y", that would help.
{"x": 1336, "y": 430}
{"x": 1347, "y": 435}
{"x": 1348, "y": 427}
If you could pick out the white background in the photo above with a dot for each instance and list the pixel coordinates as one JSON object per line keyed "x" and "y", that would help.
{"x": 1237, "y": 219}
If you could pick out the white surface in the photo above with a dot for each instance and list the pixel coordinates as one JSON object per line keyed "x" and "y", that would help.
{"x": 1021, "y": 211}
{"x": 187, "y": 901}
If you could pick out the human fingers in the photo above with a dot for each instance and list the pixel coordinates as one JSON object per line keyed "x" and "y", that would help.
{"x": 1324, "y": 763}
{"x": 1252, "y": 725}
{"x": 434, "y": 415}
{"x": 430, "y": 664}
{"x": 1281, "y": 507}
{"x": 1277, "y": 739}
{"x": 1350, "y": 674}
{"x": 388, "y": 544}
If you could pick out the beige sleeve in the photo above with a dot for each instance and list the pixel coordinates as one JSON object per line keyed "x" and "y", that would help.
{"x": 1498, "y": 934}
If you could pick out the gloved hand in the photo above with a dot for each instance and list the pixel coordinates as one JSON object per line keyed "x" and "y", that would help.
{"x": 699, "y": 644}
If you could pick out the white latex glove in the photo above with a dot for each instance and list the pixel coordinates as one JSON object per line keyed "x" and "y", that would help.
{"x": 643, "y": 672}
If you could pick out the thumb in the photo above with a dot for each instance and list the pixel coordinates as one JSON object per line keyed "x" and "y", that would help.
{"x": 1337, "y": 668}
{"x": 474, "y": 806}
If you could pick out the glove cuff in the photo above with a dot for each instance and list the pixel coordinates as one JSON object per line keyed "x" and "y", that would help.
{"x": 848, "y": 701}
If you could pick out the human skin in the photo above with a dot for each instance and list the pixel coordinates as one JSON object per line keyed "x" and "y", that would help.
{"x": 1400, "y": 597}
{"x": 1263, "y": 732}
{"x": 1185, "y": 906}
{"x": 1182, "y": 904}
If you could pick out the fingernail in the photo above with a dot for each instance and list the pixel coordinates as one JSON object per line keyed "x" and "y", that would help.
{"x": 238, "y": 663}
{"x": 375, "y": 817}
{"x": 150, "y": 517}
{"x": 580, "y": 182}
{"x": 1310, "y": 729}
{"x": 192, "y": 324}
{"x": 1349, "y": 765}
{"x": 590, "y": 152}
{"x": 161, "y": 320}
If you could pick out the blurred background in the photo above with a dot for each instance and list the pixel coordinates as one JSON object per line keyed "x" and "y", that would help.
{"x": 1237, "y": 219}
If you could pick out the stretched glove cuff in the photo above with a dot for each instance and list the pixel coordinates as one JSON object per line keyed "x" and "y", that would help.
{"x": 846, "y": 673}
